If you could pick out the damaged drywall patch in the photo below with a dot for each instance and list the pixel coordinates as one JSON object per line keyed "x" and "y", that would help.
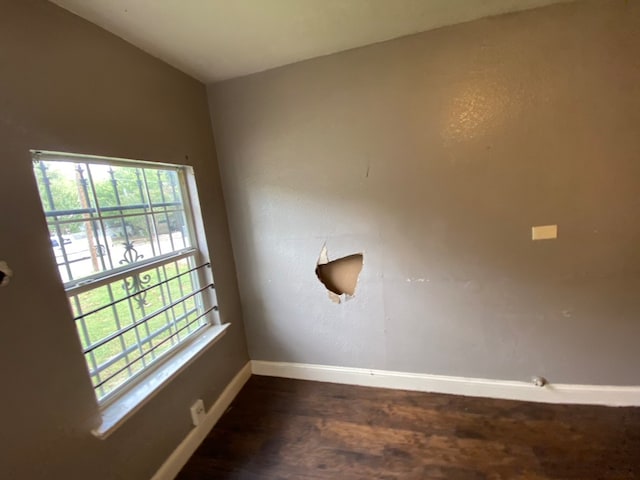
{"x": 340, "y": 276}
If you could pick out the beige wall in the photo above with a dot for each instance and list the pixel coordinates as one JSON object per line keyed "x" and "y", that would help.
{"x": 67, "y": 85}
{"x": 434, "y": 155}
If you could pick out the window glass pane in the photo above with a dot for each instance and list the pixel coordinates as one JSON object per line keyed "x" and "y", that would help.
{"x": 130, "y": 323}
{"x": 104, "y": 220}
{"x": 64, "y": 190}
{"x": 102, "y": 217}
{"x": 80, "y": 248}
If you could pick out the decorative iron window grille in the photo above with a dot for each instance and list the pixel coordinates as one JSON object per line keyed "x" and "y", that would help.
{"x": 122, "y": 234}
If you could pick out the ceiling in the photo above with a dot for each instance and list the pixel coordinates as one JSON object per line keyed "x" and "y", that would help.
{"x": 214, "y": 40}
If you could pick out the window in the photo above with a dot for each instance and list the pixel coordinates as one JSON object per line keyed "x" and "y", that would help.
{"x": 124, "y": 240}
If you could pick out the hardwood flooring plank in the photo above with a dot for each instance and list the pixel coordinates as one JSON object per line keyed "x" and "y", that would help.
{"x": 292, "y": 429}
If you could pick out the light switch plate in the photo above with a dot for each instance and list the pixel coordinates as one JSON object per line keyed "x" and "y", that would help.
{"x": 544, "y": 232}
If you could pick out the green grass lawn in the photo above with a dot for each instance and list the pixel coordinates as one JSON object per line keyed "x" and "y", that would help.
{"x": 101, "y": 324}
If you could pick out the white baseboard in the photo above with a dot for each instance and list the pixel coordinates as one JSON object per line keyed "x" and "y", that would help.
{"x": 172, "y": 466}
{"x": 474, "y": 387}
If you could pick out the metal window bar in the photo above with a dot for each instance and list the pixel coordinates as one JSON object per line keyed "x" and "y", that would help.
{"x": 82, "y": 327}
{"x": 102, "y": 218}
{"x": 102, "y": 224}
{"x": 151, "y": 231}
{"x": 179, "y": 182}
{"x": 105, "y": 390}
{"x": 184, "y": 306}
{"x": 128, "y": 350}
{"x": 114, "y": 302}
{"x": 167, "y": 316}
{"x": 108, "y": 250}
{"x": 117, "y": 208}
{"x": 133, "y": 316}
{"x": 209, "y": 310}
{"x": 116, "y": 316}
{"x": 166, "y": 214}
{"x": 146, "y": 318}
{"x": 141, "y": 305}
{"x": 94, "y": 215}
{"x": 49, "y": 196}
{"x": 94, "y": 281}
{"x": 149, "y": 210}
{"x": 165, "y": 290}
{"x": 199, "y": 301}
{"x": 91, "y": 224}
{"x": 114, "y": 186}
{"x": 173, "y": 312}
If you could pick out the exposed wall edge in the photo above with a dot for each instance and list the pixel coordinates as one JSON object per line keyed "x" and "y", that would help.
{"x": 474, "y": 387}
{"x": 172, "y": 466}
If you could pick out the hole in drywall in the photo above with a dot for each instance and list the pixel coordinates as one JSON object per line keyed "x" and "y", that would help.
{"x": 340, "y": 276}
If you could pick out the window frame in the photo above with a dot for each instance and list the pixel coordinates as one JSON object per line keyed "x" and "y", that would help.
{"x": 138, "y": 388}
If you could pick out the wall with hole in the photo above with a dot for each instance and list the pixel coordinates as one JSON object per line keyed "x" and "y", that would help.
{"x": 433, "y": 156}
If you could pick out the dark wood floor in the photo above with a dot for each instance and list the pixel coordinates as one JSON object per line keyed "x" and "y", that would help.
{"x": 291, "y": 429}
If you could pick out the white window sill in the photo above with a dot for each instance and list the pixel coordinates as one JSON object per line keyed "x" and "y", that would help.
{"x": 116, "y": 412}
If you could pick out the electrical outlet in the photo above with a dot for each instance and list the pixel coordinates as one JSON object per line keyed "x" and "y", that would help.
{"x": 197, "y": 412}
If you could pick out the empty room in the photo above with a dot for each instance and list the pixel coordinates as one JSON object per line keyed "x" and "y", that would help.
{"x": 320, "y": 239}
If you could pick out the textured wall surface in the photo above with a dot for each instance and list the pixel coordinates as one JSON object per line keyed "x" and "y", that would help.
{"x": 434, "y": 155}
{"x": 67, "y": 85}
